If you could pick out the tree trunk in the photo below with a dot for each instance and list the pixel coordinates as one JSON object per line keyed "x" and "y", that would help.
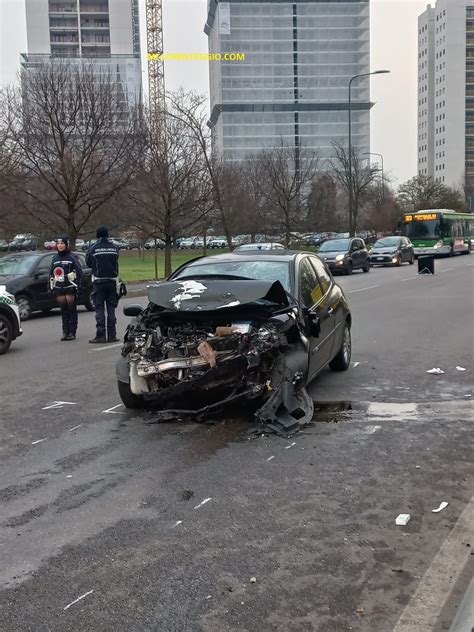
{"x": 155, "y": 253}
{"x": 168, "y": 244}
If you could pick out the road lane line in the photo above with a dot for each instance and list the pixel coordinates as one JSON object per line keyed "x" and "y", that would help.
{"x": 410, "y": 278}
{"x": 362, "y": 289}
{"x": 117, "y": 344}
{"x": 446, "y": 270}
{"x": 423, "y": 610}
{"x": 206, "y": 500}
{"x": 78, "y": 599}
{"x": 75, "y": 427}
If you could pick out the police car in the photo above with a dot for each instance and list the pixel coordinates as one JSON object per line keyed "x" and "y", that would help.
{"x": 10, "y": 327}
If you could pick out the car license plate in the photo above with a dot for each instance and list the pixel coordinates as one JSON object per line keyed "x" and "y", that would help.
{"x": 379, "y": 258}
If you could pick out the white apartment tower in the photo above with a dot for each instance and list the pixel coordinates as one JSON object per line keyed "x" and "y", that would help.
{"x": 446, "y": 91}
{"x": 106, "y": 31}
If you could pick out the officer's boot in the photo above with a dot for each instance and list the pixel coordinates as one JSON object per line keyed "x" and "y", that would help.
{"x": 72, "y": 310}
{"x": 65, "y": 320}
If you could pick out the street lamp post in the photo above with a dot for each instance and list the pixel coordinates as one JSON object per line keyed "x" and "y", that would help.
{"x": 365, "y": 74}
{"x": 373, "y": 153}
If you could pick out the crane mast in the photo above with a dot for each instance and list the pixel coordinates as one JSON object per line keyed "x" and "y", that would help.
{"x": 156, "y": 72}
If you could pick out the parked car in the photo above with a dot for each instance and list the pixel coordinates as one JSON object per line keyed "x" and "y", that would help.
{"x": 29, "y": 244}
{"x": 345, "y": 255}
{"x": 132, "y": 243}
{"x": 186, "y": 243}
{"x": 50, "y": 244}
{"x": 392, "y": 251}
{"x": 260, "y": 246}
{"x": 236, "y": 327}
{"x": 4, "y": 245}
{"x": 16, "y": 244}
{"x": 120, "y": 243}
{"x": 10, "y": 326}
{"x": 150, "y": 244}
{"x": 217, "y": 242}
{"x": 26, "y": 275}
{"x": 239, "y": 240}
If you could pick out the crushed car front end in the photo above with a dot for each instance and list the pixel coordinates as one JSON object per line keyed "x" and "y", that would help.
{"x": 201, "y": 345}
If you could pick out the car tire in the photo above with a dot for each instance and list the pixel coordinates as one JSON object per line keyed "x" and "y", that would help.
{"x": 366, "y": 268}
{"x": 88, "y": 304}
{"x": 129, "y": 399}
{"x": 25, "y": 306}
{"x": 412, "y": 260}
{"x": 342, "y": 361}
{"x": 6, "y": 334}
{"x": 348, "y": 268}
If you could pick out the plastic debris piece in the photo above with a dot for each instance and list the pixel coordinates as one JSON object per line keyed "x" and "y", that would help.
{"x": 253, "y": 580}
{"x": 360, "y": 611}
{"x": 418, "y": 467}
{"x": 460, "y": 368}
{"x": 442, "y": 506}
{"x": 435, "y": 371}
{"x": 207, "y": 353}
{"x": 402, "y": 519}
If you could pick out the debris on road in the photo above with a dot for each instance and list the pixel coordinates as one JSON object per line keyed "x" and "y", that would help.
{"x": 360, "y": 611}
{"x": 253, "y": 580}
{"x": 38, "y": 441}
{"x": 418, "y": 467}
{"x": 290, "y": 446}
{"x": 78, "y": 599}
{"x": 402, "y": 519}
{"x": 206, "y": 500}
{"x": 397, "y": 570}
{"x": 442, "y": 506}
{"x": 435, "y": 371}
{"x": 460, "y": 368}
{"x": 186, "y": 494}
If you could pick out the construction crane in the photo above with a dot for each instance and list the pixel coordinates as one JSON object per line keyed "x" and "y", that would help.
{"x": 156, "y": 70}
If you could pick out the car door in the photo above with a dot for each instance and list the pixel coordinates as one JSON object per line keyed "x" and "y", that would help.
{"x": 39, "y": 287}
{"x": 406, "y": 255}
{"x": 315, "y": 304}
{"x": 355, "y": 255}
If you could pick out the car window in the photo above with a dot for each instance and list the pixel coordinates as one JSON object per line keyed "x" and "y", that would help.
{"x": 81, "y": 259}
{"x": 323, "y": 275}
{"x": 354, "y": 246}
{"x": 310, "y": 290}
{"x": 44, "y": 265}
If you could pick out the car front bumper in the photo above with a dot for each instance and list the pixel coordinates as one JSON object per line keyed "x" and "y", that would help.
{"x": 384, "y": 259}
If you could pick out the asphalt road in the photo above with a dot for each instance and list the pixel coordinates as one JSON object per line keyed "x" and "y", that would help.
{"x": 164, "y": 527}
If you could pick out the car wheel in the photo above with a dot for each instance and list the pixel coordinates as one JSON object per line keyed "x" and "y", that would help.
{"x": 412, "y": 260}
{"x": 348, "y": 268}
{"x": 88, "y": 304}
{"x": 6, "y": 334}
{"x": 366, "y": 268}
{"x": 342, "y": 360}
{"x": 24, "y": 307}
{"x": 129, "y": 399}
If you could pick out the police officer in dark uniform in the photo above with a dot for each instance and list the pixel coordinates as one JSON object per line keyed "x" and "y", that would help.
{"x": 103, "y": 257}
{"x": 64, "y": 281}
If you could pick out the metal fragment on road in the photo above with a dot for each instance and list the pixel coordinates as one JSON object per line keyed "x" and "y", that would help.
{"x": 290, "y": 446}
{"x": 253, "y": 580}
{"x": 270, "y": 458}
{"x": 78, "y": 599}
{"x": 177, "y": 523}
{"x": 75, "y": 427}
{"x": 356, "y": 364}
{"x": 38, "y": 441}
{"x": 442, "y": 506}
{"x": 461, "y": 368}
{"x": 435, "y": 371}
{"x": 113, "y": 411}
{"x": 206, "y": 500}
{"x": 58, "y": 404}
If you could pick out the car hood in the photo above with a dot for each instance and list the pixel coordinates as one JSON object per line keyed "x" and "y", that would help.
{"x": 5, "y": 278}
{"x": 197, "y": 295}
{"x": 328, "y": 256}
{"x": 387, "y": 250}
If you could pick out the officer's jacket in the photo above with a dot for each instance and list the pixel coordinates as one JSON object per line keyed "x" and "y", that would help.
{"x": 62, "y": 264}
{"x": 102, "y": 257}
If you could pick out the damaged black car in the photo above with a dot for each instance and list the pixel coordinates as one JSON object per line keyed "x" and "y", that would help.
{"x": 239, "y": 327}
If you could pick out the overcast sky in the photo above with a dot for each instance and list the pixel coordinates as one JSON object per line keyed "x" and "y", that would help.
{"x": 394, "y": 47}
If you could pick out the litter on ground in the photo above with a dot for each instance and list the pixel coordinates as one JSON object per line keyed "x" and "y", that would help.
{"x": 460, "y": 368}
{"x": 442, "y": 506}
{"x": 402, "y": 519}
{"x": 435, "y": 371}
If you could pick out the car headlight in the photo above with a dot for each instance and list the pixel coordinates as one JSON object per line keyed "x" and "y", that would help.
{"x": 340, "y": 257}
{"x": 439, "y": 244}
{"x": 370, "y": 251}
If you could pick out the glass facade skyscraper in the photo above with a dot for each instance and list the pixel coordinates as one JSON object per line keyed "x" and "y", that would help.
{"x": 293, "y": 85}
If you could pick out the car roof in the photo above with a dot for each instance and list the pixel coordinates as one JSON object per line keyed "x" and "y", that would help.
{"x": 272, "y": 255}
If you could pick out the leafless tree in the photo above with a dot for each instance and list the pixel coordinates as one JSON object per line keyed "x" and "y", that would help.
{"x": 285, "y": 184}
{"x": 77, "y": 140}
{"x": 424, "y": 192}
{"x": 363, "y": 176}
{"x": 171, "y": 192}
{"x": 323, "y": 209}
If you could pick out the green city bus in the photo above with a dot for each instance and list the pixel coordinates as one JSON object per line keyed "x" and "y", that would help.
{"x": 439, "y": 231}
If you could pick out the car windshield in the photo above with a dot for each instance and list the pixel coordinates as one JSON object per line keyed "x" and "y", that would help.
{"x": 16, "y": 266}
{"x": 335, "y": 245}
{"x": 387, "y": 242}
{"x": 261, "y": 270}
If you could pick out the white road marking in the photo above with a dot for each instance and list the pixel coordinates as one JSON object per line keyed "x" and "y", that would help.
{"x": 75, "y": 427}
{"x": 206, "y": 500}
{"x": 78, "y": 599}
{"x": 362, "y": 289}
{"x": 109, "y": 346}
{"x": 112, "y": 410}
{"x": 410, "y": 278}
{"x": 446, "y": 270}
{"x": 371, "y": 429}
{"x": 270, "y": 458}
{"x": 39, "y": 441}
{"x": 423, "y": 610}
{"x": 290, "y": 446}
{"x": 469, "y": 265}
{"x": 58, "y": 405}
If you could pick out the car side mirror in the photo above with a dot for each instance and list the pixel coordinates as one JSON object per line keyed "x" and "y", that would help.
{"x": 133, "y": 310}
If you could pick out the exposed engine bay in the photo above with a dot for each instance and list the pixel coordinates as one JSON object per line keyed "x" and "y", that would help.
{"x": 194, "y": 359}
